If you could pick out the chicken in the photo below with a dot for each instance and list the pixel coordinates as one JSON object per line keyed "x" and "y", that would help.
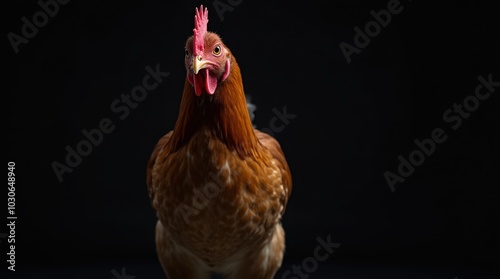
{"x": 219, "y": 186}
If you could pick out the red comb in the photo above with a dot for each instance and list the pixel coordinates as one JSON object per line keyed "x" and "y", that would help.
{"x": 200, "y": 28}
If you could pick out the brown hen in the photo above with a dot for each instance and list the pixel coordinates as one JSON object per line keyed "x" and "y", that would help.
{"x": 219, "y": 186}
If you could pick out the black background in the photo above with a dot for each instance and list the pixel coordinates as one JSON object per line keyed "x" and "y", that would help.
{"x": 352, "y": 122}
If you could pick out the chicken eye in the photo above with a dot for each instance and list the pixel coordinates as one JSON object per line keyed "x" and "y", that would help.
{"x": 217, "y": 50}
{"x": 186, "y": 51}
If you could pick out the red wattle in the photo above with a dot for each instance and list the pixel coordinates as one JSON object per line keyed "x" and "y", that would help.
{"x": 210, "y": 82}
{"x": 203, "y": 80}
{"x": 198, "y": 84}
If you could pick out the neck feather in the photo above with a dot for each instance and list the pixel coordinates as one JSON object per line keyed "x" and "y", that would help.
{"x": 224, "y": 113}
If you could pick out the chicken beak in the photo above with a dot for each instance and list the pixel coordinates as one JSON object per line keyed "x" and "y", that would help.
{"x": 199, "y": 63}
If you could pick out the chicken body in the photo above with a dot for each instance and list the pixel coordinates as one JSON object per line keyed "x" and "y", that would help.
{"x": 219, "y": 186}
{"x": 218, "y": 212}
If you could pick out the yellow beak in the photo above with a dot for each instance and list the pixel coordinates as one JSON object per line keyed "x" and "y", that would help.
{"x": 200, "y": 63}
